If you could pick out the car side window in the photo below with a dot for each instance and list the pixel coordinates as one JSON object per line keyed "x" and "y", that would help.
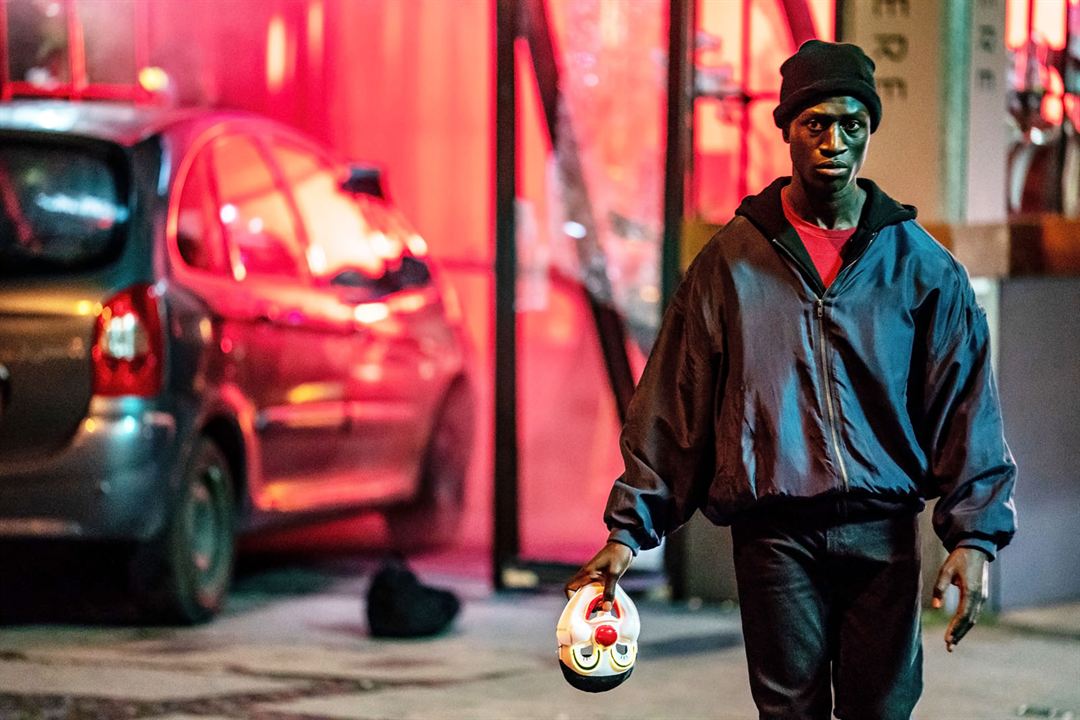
{"x": 258, "y": 223}
{"x": 339, "y": 237}
{"x": 198, "y": 230}
{"x": 395, "y": 240}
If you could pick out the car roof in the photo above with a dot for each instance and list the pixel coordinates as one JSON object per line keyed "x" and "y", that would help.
{"x": 121, "y": 123}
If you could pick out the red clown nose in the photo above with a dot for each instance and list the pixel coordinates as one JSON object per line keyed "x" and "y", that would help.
{"x": 606, "y": 635}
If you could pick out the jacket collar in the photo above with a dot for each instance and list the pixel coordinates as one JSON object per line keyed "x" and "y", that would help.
{"x": 766, "y": 214}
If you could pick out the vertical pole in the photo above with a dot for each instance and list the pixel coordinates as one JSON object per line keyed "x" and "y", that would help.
{"x": 955, "y": 101}
{"x": 800, "y": 21}
{"x": 742, "y": 183}
{"x": 677, "y": 155}
{"x": 506, "y": 541}
{"x": 680, "y": 84}
{"x": 76, "y": 50}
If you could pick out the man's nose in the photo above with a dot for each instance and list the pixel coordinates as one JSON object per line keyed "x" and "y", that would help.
{"x": 833, "y": 143}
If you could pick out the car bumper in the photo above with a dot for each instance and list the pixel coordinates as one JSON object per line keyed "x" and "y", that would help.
{"x": 111, "y": 481}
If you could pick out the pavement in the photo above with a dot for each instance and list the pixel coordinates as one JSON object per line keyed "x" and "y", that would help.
{"x": 293, "y": 645}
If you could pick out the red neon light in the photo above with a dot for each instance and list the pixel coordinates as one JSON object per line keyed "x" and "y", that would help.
{"x": 1049, "y": 23}
{"x": 315, "y": 32}
{"x": 275, "y": 54}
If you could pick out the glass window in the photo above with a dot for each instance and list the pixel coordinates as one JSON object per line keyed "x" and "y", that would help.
{"x": 342, "y": 243}
{"x": 405, "y": 262}
{"x": 60, "y": 208}
{"x": 254, "y": 212}
{"x": 353, "y": 240}
{"x": 37, "y": 42}
{"x": 109, "y": 40}
{"x": 198, "y": 227}
{"x": 737, "y": 148}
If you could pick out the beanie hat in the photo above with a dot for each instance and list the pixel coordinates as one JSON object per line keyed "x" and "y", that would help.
{"x": 820, "y": 70}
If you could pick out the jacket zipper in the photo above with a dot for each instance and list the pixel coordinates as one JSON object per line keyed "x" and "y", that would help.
{"x": 831, "y": 411}
{"x": 825, "y": 368}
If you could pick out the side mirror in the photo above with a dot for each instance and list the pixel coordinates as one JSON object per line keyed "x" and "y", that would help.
{"x": 365, "y": 180}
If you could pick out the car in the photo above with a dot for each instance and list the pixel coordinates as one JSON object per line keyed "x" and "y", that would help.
{"x": 208, "y": 325}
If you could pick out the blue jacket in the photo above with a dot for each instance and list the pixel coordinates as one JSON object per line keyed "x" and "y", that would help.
{"x": 765, "y": 390}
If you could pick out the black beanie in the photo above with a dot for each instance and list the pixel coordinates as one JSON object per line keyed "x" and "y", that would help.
{"x": 820, "y": 70}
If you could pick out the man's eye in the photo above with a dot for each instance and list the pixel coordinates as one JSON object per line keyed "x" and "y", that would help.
{"x": 813, "y": 125}
{"x": 852, "y": 125}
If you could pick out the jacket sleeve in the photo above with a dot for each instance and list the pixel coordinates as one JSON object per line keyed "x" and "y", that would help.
{"x": 971, "y": 467}
{"x": 667, "y": 441}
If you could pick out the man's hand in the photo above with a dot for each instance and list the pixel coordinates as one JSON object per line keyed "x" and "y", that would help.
{"x": 967, "y": 569}
{"x": 606, "y": 566}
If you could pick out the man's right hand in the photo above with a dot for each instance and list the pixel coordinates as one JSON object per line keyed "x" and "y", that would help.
{"x": 606, "y": 567}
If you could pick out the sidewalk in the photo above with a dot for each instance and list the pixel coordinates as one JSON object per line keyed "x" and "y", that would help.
{"x": 1060, "y": 621}
{"x": 285, "y": 655}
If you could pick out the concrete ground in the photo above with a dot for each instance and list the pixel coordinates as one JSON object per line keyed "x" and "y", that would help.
{"x": 293, "y": 645}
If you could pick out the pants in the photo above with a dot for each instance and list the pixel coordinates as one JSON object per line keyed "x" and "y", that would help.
{"x": 831, "y": 601}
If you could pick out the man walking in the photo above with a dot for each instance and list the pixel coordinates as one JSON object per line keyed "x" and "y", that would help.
{"x": 823, "y": 369}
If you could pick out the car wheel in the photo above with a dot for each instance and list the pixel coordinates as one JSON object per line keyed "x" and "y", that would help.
{"x": 183, "y": 574}
{"x": 432, "y": 519}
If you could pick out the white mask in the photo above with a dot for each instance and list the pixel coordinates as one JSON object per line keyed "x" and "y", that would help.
{"x": 597, "y": 649}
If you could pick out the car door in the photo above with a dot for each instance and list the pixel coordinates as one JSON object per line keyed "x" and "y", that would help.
{"x": 297, "y": 349}
{"x": 390, "y": 383}
{"x": 405, "y": 324}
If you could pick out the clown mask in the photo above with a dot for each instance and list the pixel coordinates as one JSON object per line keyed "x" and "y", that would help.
{"x": 597, "y": 649}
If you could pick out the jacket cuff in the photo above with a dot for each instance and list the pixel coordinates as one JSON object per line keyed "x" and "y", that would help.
{"x": 623, "y": 537}
{"x": 985, "y": 545}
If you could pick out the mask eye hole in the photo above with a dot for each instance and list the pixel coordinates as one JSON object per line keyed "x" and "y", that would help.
{"x": 585, "y": 657}
{"x": 622, "y": 656}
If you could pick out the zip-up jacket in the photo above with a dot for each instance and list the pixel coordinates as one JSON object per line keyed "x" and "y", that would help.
{"x": 766, "y": 392}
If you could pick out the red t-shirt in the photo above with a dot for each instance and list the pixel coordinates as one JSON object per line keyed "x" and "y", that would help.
{"x": 823, "y": 244}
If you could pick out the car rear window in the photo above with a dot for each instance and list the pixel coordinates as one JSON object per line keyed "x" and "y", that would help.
{"x": 61, "y": 208}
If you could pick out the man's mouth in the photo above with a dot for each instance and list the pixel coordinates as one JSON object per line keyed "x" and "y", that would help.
{"x": 831, "y": 168}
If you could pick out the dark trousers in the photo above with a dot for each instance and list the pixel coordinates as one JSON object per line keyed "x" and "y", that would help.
{"x": 831, "y": 602}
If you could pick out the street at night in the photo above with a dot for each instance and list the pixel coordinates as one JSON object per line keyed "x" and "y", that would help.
{"x": 293, "y": 644}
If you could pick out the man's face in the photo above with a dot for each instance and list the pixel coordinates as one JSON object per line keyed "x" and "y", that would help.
{"x": 828, "y": 144}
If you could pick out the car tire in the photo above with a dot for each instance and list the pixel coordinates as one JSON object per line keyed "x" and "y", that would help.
{"x": 431, "y": 520}
{"x": 182, "y": 576}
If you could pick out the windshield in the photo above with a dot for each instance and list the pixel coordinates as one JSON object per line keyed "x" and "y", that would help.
{"x": 60, "y": 209}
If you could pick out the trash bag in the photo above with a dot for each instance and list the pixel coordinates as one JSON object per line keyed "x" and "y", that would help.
{"x": 400, "y": 606}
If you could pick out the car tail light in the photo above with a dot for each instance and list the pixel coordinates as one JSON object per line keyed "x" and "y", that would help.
{"x": 128, "y": 345}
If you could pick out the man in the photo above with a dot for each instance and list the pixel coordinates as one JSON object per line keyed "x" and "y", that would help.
{"x": 822, "y": 370}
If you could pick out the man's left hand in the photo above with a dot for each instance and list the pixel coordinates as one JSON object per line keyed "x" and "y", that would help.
{"x": 968, "y": 570}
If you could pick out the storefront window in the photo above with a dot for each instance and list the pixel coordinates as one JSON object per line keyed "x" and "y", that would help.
{"x": 37, "y": 43}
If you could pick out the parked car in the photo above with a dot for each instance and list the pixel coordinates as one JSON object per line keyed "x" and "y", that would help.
{"x": 207, "y": 325}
